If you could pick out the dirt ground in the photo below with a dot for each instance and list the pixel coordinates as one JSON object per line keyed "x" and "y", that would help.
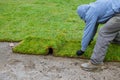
{"x": 30, "y": 67}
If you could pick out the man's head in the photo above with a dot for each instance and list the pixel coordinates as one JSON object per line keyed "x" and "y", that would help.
{"x": 82, "y": 10}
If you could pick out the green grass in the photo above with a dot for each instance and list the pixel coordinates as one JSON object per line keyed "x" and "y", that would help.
{"x": 51, "y": 23}
{"x": 40, "y": 18}
{"x": 38, "y": 46}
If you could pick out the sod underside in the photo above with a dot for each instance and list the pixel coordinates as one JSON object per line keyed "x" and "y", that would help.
{"x": 62, "y": 48}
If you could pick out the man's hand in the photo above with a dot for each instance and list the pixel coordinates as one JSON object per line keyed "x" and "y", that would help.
{"x": 79, "y": 52}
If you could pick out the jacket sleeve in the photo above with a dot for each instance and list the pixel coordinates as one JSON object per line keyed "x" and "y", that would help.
{"x": 89, "y": 32}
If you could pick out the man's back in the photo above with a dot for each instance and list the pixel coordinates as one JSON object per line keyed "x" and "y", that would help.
{"x": 116, "y": 5}
{"x": 103, "y": 9}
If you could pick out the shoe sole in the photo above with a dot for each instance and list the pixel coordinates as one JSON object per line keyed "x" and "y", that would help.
{"x": 94, "y": 69}
{"x": 86, "y": 69}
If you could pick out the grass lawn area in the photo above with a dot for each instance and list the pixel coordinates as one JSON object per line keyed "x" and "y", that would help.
{"x": 42, "y": 25}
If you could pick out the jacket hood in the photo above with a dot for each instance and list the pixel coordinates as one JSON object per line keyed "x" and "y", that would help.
{"x": 82, "y": 10}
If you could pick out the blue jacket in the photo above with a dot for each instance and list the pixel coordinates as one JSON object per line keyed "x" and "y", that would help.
{"x": 95, "y": 13}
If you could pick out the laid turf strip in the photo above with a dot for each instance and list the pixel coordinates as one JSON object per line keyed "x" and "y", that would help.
{"x": 61, "y": 48}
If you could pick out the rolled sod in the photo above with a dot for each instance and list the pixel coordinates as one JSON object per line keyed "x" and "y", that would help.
{"x": 70, "y": 48}
{"x": 60, "y": 48}
{"x": 38, "y": 46}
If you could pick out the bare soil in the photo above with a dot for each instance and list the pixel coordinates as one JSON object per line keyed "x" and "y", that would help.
{"x": 15, "y": 66}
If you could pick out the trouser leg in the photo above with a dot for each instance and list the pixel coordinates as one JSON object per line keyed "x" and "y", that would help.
{"x": 105, "y": 36}
{"x": 117, "y": 38}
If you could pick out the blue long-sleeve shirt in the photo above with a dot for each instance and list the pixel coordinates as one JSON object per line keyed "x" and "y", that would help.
{"x": 95, "y": 13}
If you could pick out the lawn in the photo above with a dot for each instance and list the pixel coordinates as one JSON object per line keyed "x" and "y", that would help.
{"x": 44, "y": 25}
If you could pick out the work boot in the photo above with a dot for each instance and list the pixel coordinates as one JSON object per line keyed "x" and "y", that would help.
{"x": 79, "y": 52}
{"x": 91, "y": 67}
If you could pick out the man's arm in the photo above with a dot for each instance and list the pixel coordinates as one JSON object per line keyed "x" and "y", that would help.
{"x": 89, "y": 32}
{"x": 96, "y": 27}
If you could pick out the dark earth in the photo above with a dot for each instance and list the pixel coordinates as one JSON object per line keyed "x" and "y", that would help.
{"x": 15, "y": 66}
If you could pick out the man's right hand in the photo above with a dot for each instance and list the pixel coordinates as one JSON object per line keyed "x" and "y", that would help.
{"x": 79, "y": 52}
